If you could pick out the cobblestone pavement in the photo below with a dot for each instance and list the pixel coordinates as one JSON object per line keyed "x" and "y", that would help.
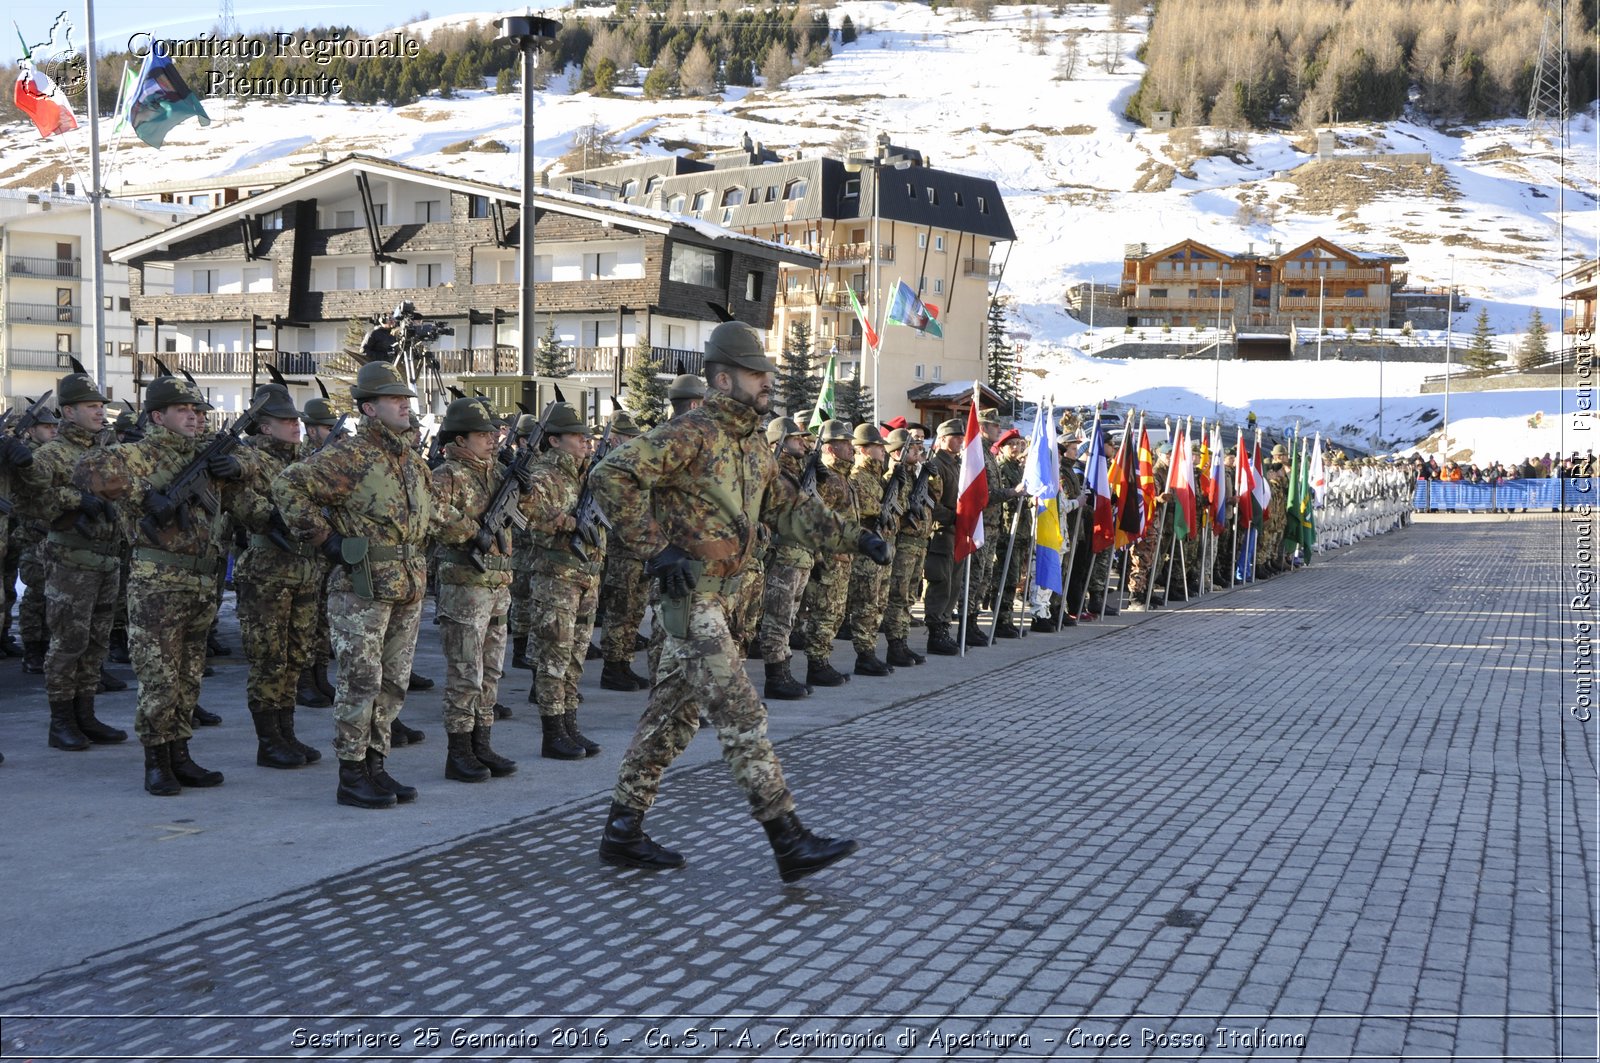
{"x": 1344, "y": 814}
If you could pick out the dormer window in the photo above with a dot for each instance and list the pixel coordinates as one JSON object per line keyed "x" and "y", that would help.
{"x": 795, "y": 189}
{"x": 852, "y": 188}
{"x": 732, "y": 197}
{"x": 933, "y": 196}
{"x": 675, "y": 203}
{"x": 630, "y": 188}
{"x": 652, "y": 184}
{"x": 700, "y": 199}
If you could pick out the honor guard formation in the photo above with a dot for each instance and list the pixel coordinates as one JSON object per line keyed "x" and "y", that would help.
{"x": 739, "y": 533}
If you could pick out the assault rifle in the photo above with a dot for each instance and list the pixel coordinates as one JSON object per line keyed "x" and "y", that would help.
{"x": 27, "y": 420}
{"x": 192, "y": 485}
{"x": 893, "y": 508}
{"x": 504, "y": 508}
{"x": 588, "y": 513}
{"x": 812, "y": 470}
{"x": 921, "y": 501}
{"x": 334, "y": 433}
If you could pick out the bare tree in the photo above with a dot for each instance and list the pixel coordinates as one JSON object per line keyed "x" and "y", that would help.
{"x": 1067, "y": 65}
{"x": 698, "y": 75}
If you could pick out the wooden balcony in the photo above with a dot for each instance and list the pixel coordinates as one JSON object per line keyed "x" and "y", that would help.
{"x": 1311, "y": 277}
{"x": 846, "y": 254}
{"x": 1332, "y": 303}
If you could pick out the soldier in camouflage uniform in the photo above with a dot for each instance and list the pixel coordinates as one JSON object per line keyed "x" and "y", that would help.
{"x": 688, "y": 495}
{"x": 171, "y": 601}
{"x": 28, "y": 536}
{"x": 474, "y": 593}
{"x": 1017, "y": 513}
{"x": 1271, "y": 551}
{"x": 519, "y": 619}
{"x": 788, "y": 568}
{"x": 314, "y": 689}
{"x": 686, "y": 392}
{"x": 943, "y": 590}
{"x": 623, "y": 595}
{"x": 82, "y": 554}
{"x": 910, "y": 546}
{"x": 370, "y": 505}
{"x": 869, "y": 581}
{"x": 566, "y": 588}
{"x": 278, "y": 584}
{"x": 828, "y": 592}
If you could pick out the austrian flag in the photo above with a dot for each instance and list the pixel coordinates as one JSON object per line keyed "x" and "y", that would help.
{"x": 974, "y": 488}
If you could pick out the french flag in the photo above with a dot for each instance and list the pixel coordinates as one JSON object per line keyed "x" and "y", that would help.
{"x": 974, "y": 488}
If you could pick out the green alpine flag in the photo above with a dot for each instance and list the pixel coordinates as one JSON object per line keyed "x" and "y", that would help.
{"x": 824, "y": 408}
{"x": 1291, "y": 511}
{"x": 1308, "y": 503}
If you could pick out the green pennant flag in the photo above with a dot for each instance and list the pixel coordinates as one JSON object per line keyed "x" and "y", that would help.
{"x": 1308, "y": 501}
{"x": 1291, "y": 511}
{"x": 824, "y": 408}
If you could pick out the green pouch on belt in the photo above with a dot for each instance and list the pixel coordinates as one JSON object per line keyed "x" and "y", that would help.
{"x": 674, "y": 612}
{"x": 353, "y": 552}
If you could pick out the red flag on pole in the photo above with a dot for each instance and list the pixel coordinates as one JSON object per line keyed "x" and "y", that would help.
{"x": 974, "y": 494}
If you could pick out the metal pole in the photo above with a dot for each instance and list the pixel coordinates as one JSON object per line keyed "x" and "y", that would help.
{"x": 1449, "y": 330}
{"x": 528, "y": 33}
{"x": 1322, "y": 287}
{"x": 1005, "y": 569}
{"x": 96, "y": 257}
{"x": 966, "y": 617}
{"x": 877, "y": 279}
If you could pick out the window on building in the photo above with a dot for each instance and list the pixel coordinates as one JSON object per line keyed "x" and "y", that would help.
{"x": 852, "y": 188}
{"x": 599, "y": 265}
{"x": 772, "y": 193}
{"x": 754, "y": 286}
{"x": 630, "y": 188}
{"x": 543, "y": 267}
{"x": 697, "y": 265}
{"x": 124, "y": 304}
{"x": 678, "y": 337}
{"x": 938, "y": 373}
{"x": 426, "y": 210}
{"x": 675, "y": 203}
{"x": 938, "y": 243}
{"x": 1355, "y": 293}
{"x": 916, "y": 372}
{"x": 1194, "y": 293}
{"x": 938, "y": 286}
{"x": 169, "y": 345}
{"x": 652, "y": 184}
{"x": 983, "y": 205}
{"x": 701, "y": 198}
{"x": 272, "y": 220}
{"x": 63, "y": 343}
{"x": 477, "y": 206}
{"x": 732, "y": 197}
{"x": 933, "y": 196}
{"x": 1158, "y": 293}
{"x": 795, "y": 189}
{"x": 124, "y": 348}
{"x": 430, "y": 274}
{"x": 958, "y": 198}
{"x": 204, "y": 281}
{"x": 344, "y": 277}
{"x": 922, "y": 241}
{"x": 344, "y": 219}
{"x": 1296, "y": 293}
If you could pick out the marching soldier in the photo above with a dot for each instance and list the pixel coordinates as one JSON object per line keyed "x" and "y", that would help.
{"x": 278, "y": 584}
{"x": 623, "y": 596}
{"x": 910, "y": 545}
{"x": 943, "y": 591}
{"x": 474, "y": 594}
{"x": 688, "y": 495}
{"x": 828, "y": 592}
{"x": 369, "y": 504}
{"x": 869, "y": 582}
{"x": 171, "y": 581}
{"x": 788, "y": 568}
{"x": 566, "y": 588}
{"x": 82, "y": 555}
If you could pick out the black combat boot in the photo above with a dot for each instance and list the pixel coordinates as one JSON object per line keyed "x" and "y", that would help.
{"x": 188, "y": 772}
{"x": 307, "y": 693}
{"x": 356, "y": 787}
{"x": 9, "y": 647}
{"x": 592, "y": 653}
{"x": 33, "y": 657}
{"x": 798, "y": 851}
{"x": 419, "y": 682}
{"x": 940, "y": 643}
{"x": 972, "y": 632}
{"x": 319, "y": 672}
{"x": 384, "y": 781}
{"x": 783, "y": 686}
{"x": 100, "y": 734}
{"x": 616, "y": 675}
{"x": 64, "y": 733}
{"x": 869, "y": 664}
{"x": 569, "y": 720}
{"x": 557, "y": 744}
{"x": 820, "y": 673}
{"x": 110, "y": 683}
{"x": 202, "y": 718}
{"x": 271, "y": 749}
{"x": 797, "y": 640}
{"x": 519, "y": 652}
{"x": 214, "y": 644}
{"x": 625, "y": 844}
{"x": 498, "y": 766}
{"x": 502, "y": 711}
{"x": 401, "y": 735}
{"x": 533, "y": 693}
{"x": 117, "y": 650}
{"x": 286, "y": 728}
{"x": 1006, "y": 630}
{"x": 158, "y": 777}
{"x": 460, "y": 763}
{"x": 845, "y": 633}
{"x": 901, "y": 655}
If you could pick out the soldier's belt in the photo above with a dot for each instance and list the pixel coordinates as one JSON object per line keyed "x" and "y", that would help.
{"x": 401, "y": 552}
{"x": 561, "y": 558}
{"x": 199, "y": 564}
{"x": 305, "y": 550}
{"x": 728, "y": 586}
{"x": 74, "y": 541}
{"x": 492, "y": 562}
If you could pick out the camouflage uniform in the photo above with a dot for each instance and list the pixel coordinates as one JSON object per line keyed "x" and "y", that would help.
{"x": 869, "y": 581}
{"x": 27, "y": 536}
{"x": 995, "y": 531}
{"x": 1143, "y": 562}
{"x": 788, "y": 568}
{"x": 1021, "y": 548}
{"x": 699, "y": 483}
{"x": 828, "y": 592}
{"x": 624, "y": 595}
{"x": 943, "y": 591}
{"x": 519, "y": 619}
{"x": 910, "y": 559}
{"x": 374, "y": 487}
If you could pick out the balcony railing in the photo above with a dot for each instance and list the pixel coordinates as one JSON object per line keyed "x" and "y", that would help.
{"x": 1332, "y": 303}
{"x": 1339, "y": 276}
{"x": 1184, "y": 303}
{"x": 200, "y": 363}
{"x": 45, "y": 313}
{"x": 978, "y": 267}
{"x": 860, "y": 251}
{"x": 1186, "y": 277}
{"x": 48, "y": 268}
{"x": 23, "y": 358}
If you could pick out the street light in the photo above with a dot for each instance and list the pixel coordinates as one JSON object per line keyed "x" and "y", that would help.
{"x": 1216, "y": 384}
{"x": 1449, "y": 330}
{"x": 529, "y": 33}
{"x": 1322, "y": 287}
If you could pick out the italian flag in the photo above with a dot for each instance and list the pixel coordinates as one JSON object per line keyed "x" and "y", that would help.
{"x": 861, "y": 315}
{"x": 1180, "y": 482}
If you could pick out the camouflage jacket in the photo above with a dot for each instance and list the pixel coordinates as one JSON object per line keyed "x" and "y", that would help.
{"x": 786, "y": 551}
{"x": 916, "y": 524}
{"x": 702, "y": 482}
{"x": 1011, "y": 470}
{"x": 557, "y": 481}
{"x": 56, "y": 503}
{"x": 125, "y": 474}
{"x": 867, "y": 480}
{"x": 22, "y": 487}
{"x": 373, "y": 486}
{"x": 466, "y": 484}
{"x": 252, "y": 507}
{"x": 839, "y": 495}
{"x": 994, "y": 513}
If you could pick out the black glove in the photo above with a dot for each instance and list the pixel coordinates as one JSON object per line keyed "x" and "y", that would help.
{"x": 484, "y": 541}
{"x": 524, "y": 475}
{"x": 674, "y": 570}
{"x": 164, "y": 510}
{"x": 93, "y": 506}
{"x": 241, "y": 538}
{"x": 16, "y": 453}
{"x": 333, "y": 548}
{"x": 224, "y": 467}
{"x": 873, "y": 547}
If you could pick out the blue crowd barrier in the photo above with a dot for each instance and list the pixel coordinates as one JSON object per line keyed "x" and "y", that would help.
{"x": 1542, "y": 494}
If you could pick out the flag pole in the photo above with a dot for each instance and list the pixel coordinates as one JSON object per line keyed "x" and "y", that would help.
{"x": 1067, "y": 559}
{"x": 1028, "y": 574}
{"x": 1094, "y": 433}
{"x": 96, "y": 200}
{"x": 966, "y": 591}
{"x": 1005, "y": 569}
{"x": 1155, "y": 555}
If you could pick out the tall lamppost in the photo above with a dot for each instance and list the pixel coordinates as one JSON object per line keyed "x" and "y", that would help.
{"x": 1216, "y": 355}
{"x": 529, "y": 33}
{"x": 1449, "y": 330}
{"x": 1322, "y": 287}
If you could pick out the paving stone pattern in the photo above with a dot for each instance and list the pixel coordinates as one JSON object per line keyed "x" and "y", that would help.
{"x": 1338, "y": 815}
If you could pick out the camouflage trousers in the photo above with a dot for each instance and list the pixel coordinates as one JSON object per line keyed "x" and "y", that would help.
{"x": 747, "y": 604}
{"x": 825, "y": 600}
{"x": 781, "y": 591}
{"x": 31, "y": 610}
{"x": 563, "y": 619}
{"x": 1142, "y": 565}
{"x": 119, "y": 619}
{"x": 519, "y": 618}
{"x": 623, "y": 598}
{"x": 168, "y": 618}
{"x": 905, "y": 584}
{"x": 474, "y": 623}
{"x": 984, "y": 563}
{"x": 374, "y": 643}
{"x": 277, "y": 624}
{"x": 869, "y": 595}
{"x": 704, "y": 673}
{"x": 78, "y": 607}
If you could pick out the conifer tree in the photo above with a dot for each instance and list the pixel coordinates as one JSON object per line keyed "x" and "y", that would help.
{"x": 1535, "y": 346}
{"x": 1002, "y": 356}
{"x": 799, "y": 379}
{"x": 645, "y": 391}
{"x": 1481, "y": 353}
{"x": 552, "y": 359}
